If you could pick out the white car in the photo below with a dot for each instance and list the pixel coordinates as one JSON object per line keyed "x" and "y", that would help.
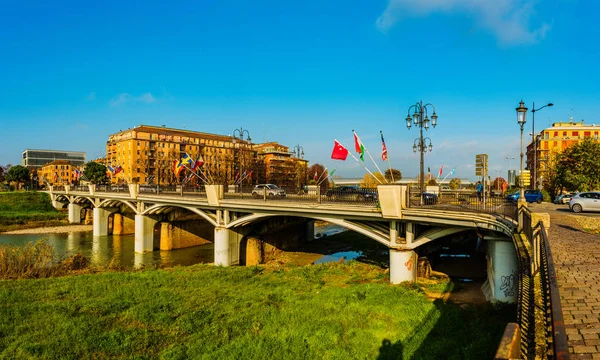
{"x": 563, "y": 198}
{"x": 271, "y": 190}
{"x": 585, "y": 201}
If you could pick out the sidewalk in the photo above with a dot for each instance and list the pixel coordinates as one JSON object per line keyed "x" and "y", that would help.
{"x": 576, "y": 256}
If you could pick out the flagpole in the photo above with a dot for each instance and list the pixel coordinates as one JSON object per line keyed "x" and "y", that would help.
{"x": 368, "y": 153}
{"x": 438, "y": 177}
{"x": 448, "y": 174}
{"x": 387, "y": 156}
{"x": 319, "y": 181}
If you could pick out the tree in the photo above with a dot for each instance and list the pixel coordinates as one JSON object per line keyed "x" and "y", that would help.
{"x": 497, "y": 183}
{"x": 455, "y": 183}
{"x": 576, "y": 168}
{"x": 393, "y": 173}
{"x": 18, "y": 174}
{"x": 95, "y": 172}
{"x": 317, "y": 169}
{"x": 432, "y": 182}
{"x": 370, "y": 181}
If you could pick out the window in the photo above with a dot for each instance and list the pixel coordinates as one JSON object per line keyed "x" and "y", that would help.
{"x": 587, "y": 133}
{"x": 556, "y": 134}
{"x": 575, "y": 133}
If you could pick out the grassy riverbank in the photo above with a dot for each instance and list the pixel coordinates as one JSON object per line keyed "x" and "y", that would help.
{"x": 334, "y": 311}
{"x": 27, "y": 209}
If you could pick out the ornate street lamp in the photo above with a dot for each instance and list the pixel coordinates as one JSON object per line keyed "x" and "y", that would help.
{"x": 239, "y": 134}
{"x": 521, "y": 119}
{"x": 534, "y": 143}
{"x": 299, "y": 151}
{"x": 421, "y": 119}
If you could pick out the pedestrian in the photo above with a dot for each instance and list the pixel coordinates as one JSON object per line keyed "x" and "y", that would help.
{"x": 480, "y": 191}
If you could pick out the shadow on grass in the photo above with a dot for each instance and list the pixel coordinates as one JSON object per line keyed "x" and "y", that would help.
{"x": 453, "y": 332}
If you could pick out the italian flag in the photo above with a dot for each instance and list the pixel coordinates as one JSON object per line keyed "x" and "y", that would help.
{"x": 359, "y": 147}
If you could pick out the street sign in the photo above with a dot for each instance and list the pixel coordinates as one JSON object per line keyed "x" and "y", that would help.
{"x": 481, "y": 164}
{"x": 526, "y": 177}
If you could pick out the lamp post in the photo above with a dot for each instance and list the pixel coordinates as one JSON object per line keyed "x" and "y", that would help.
{"x": 533, "y": 142}
{"x": 420, "y": 118}
{"x": 521, "y": 119}
{"x": 299, "y": 153}
{"x": 239, "y": 134}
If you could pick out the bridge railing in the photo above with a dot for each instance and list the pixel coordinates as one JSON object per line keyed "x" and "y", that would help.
{"x": 539, "y": 296}
{"x": 462, "y": 201}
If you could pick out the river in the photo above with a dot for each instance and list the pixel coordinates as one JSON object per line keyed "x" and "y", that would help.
{"x": 118, "y": 250}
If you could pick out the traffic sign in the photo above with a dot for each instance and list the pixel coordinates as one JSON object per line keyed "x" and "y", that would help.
{"x": 481, "y": 164}
{"x": 526, "y": 177}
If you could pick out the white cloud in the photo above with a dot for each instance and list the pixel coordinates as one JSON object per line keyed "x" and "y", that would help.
{"x": 508, "y": 20}
{"x": 125, "y": 98}
{"x": 146, "y": 98}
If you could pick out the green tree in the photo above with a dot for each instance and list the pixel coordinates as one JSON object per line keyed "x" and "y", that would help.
{"x": 95, "y": 172}
{"x": 318, "y": 170}
{"x": 577, "y": 167}
{"x": 432, "y": 182}
{"x": 454, "y": 183}
{"x": 18, "y": 174}
{"x": 393, "y": 173}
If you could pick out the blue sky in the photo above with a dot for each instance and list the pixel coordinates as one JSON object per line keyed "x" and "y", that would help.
{"x": 300, "y": 73}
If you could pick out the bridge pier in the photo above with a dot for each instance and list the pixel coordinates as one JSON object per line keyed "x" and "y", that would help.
{"x": 100, "y": 221}
{"x": 403, "y": 266}
{"x": 222, "y": 257}
{"x": 502, "y": 282}
{"x": 144, "y": 233}
{"x": 74, "y": 214}
{"x": 123, "y": 225}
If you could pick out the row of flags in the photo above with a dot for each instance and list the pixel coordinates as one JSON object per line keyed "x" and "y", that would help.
{"x": 341, "y": 153}
{"x": 186, "y": 160}
{"x": 114, "y": 171}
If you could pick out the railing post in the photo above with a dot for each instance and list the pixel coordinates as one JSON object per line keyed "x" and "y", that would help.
{"x": 265, "y": 193}
{"x": 318, "y": 194}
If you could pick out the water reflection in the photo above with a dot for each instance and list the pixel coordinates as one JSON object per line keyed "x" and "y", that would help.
{"x": 347, "y": 255}
{"x": 114, "y": 250}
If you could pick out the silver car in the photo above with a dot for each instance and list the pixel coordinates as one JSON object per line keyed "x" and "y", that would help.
{"x": 563, "y": 198}
{"x": 585, "y": 201}
{"x": 271, "y": 190}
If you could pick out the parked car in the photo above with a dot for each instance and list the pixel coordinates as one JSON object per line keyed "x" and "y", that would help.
{"x": 272, "y": 191}
{"x": 351, "y": 193}
{"x": 585, "y": 201}
{"x": 531, "y": 196}
{"x": 563, "y": 198}
{"x": 430, "y": 199}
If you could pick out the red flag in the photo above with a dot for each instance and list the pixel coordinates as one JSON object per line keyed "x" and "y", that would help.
{"x": 383, "y": 149}
{"x": 441, "y": 169}
{"x": 339, "y": 151}
{"x": 316, "y": 177}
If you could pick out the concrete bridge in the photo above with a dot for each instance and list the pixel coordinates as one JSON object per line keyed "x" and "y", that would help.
{"x": 240, "y": 225}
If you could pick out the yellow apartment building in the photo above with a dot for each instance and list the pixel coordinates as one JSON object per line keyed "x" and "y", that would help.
{"x": 58, "y": 172}
{"x": 147, "y": 155}
{"x": 553, "y": 140}
{"x": 278, "y": 166}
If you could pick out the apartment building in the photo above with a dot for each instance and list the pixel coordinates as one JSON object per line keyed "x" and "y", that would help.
{"x": 553, "y": 140}
{"x": 59, "y": 172}
{"x": 36, "y": 158}
{"x": 147, "y": 154}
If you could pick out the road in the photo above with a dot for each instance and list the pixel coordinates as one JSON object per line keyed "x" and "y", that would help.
{"x": 558, "y": 209}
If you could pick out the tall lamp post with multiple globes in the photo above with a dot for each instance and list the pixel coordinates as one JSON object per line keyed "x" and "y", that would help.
{"x": 299, "y": 153}
{"x": 420, "y": 118}
{"x": 534, "y": 143}
{"x": 521, "y": 119}
{"x": 239, "y": 134}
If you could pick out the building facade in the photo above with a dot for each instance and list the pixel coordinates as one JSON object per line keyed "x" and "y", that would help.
{"x": 147, "y": 155}
{"x": 59, "y": 172}
{"x": 278, "y": 166}
{"x": 554, "y": 140}
{"x": 35, "y": 158}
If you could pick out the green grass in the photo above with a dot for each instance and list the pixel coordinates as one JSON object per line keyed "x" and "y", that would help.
{"x": 28, "y": 209}
{"x": 207, "y": 312}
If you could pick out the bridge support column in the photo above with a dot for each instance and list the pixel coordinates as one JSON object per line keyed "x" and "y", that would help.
{"x": 100, "y": 221}
{"x": 222, "y": 257}
{"x": 310, "y": 230}
{"x": 502, "y": 270}
{"x": 403, "y": 266}
{"x": 410, "y": 232}
{"x": 74, "y": 214}
{"x": 144, "y": 233}
{"x": 123, "y": 225}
